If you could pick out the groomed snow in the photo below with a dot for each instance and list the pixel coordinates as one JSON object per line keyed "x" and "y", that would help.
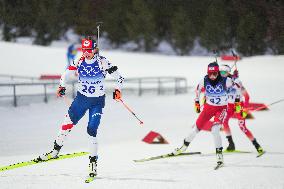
{"x": 27, "y": 131}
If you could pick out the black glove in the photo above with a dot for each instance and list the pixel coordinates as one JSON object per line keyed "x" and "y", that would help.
{"x": 61, "y": 91}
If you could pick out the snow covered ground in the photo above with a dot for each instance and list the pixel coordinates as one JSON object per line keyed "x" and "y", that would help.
{"x": 27, "y": 131}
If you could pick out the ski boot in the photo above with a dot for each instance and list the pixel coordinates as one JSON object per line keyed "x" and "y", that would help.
{"x": 182, "y": 149}
{"x": 257, "y": 147}
{"x": 50, "y": 155}
{"x": 231, "y": 146}
{"x": 92, "y": 169}
{"x": 219, "y": 157}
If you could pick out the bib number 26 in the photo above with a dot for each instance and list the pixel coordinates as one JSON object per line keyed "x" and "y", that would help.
{"x": 91, "y": 89}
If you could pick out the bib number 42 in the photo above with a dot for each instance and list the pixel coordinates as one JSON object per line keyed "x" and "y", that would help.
{"x": 215, "y": 100}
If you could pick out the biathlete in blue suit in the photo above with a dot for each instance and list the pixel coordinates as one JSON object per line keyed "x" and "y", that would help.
{"x": 92, "y": 70}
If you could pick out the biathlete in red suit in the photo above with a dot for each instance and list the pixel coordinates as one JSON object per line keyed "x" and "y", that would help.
{"x": 242, "y": 101}
{"x": 216, "y": 100}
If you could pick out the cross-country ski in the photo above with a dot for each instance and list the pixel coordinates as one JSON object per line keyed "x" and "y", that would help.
{"x": 166, "y": 156}
{"x": 34, "y": 161}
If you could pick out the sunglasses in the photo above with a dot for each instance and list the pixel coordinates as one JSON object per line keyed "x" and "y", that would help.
{"x": 213, "y": 73}
{"x": 87, "y": 51}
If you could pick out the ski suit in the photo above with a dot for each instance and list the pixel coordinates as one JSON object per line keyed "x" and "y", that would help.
{"x": 215, "y": 101}
{"x": 215, "y": 107}
{"x": 91, "y": 90}
{"x": 244, "y": 98}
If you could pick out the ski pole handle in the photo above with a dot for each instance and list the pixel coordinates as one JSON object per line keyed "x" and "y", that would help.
{"x": 141, "y": 122}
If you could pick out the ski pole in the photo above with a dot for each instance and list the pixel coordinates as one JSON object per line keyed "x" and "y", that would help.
{"x": 215, "y": 54}
{"x": 265, "y": 106}
{"x": 141, "y": 122}
{"x": 98, "y": 33}
{"x": 236, "y": 59}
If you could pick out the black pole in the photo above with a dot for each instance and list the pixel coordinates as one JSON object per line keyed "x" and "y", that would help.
{"x": 45, "y": 94}
{"x": 14, "y": 94}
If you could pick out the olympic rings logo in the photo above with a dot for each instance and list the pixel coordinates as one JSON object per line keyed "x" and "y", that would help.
{"x": 217, "y": 90}
{"x": 89, "y": 70}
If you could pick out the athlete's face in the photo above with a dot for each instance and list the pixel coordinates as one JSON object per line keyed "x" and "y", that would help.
{"x": 88, "y": 53}
{"x": 213, "y": 75}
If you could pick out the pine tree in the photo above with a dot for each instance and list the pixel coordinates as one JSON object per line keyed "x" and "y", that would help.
{"x": 163, "y": 12}
{"x": 275, "y": 30}
{"x": 250, "y": 35}
{"x": 215, "y": 31}
{"x": 182, "y": 31}
{"x": 8, "y": 18}
{"x": 253, "y": 27}
{"x": 113, "y": 14}
{"x": 140, "y": 25}
{"x": 85, "y": 23}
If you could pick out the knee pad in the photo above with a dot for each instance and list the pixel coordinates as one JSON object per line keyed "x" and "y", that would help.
{"x": 94, "y": 122}
{"x": 92, "y": 131}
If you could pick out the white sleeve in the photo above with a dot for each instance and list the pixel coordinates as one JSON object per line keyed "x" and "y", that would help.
{"x": 112, "y": 71}
{"x": 239, "y": 87}
{"x": 234, "y": 85}
{"x": 238, "y": 81}
{"x": 71, "y": 70}
{"x": 229, "y": 82}
{"x": 198, "y": 89}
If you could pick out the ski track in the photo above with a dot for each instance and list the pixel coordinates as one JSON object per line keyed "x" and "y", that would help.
{"x": 29, "y": 130}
